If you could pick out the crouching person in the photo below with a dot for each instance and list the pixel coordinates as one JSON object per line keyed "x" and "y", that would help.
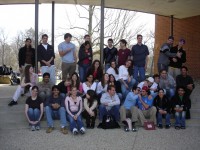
{"x": 145, "y": 105}
{"x": 129, "y": 111}
{"x": 34, "y": 109}
{"x": 74, "y": 106}
{"x": 180, "y": 104}
{"x": 55, "y": 108}
{"x": 109, "y": 104}
{"x": 163, "y": 105}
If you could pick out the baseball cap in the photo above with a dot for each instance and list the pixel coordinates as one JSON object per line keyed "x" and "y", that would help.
{"x": 145, "y": 88}
{"x": 150, "y": 79}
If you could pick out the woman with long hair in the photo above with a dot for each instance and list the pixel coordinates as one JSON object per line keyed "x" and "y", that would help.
{"x": 75, "y": 81}
{"x": 34, "y": 109}
{"x": 113, "y": 70}
{"x": 74, "y": 106}
{"x": 28, "y": 81}
{"x": 89, "y": 84}
{"x": 96, "y": 70}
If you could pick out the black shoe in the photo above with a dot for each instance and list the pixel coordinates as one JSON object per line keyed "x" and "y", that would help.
{"x": 182, "y": 127}
{"x": 160, "y": 126}
{"x": 126, "y": 129}
{"x": 134, "y": 129}
{"x": 12, "y": 103}
{"x": 92, "y": 126}
{"x": 177, "y": 127}
{"x": 100, "y": 125}
{"x": 167, "y": 126}
{"x": 88, "y": 126}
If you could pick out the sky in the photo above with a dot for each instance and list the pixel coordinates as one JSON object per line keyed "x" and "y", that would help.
{"x": 15, "y": 18}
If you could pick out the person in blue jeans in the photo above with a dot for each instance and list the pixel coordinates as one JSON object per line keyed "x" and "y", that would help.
{"x": 180, "y": 104}
{"x": 85, "y": 56}
{"x": 55, "y": 108}
{"x": 74, "y": 107}
{"x": 163, "y": 106}
{"x": 34, "y": 109}
{"x": 139, "y": 55}
{"x": 110, "y": 104}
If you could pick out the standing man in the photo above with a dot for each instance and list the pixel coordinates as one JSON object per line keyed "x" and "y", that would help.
{"x": 175, "y": 62}
{"x": 124, "y": 53}
{"x": 163, "y": 59}
{"x": 140, "y": 54}
{"x": 26, "y": 56}
{"x": 67, "y": 52}
{"x": 46, "y": 57}
{"x": 109, "y": 54}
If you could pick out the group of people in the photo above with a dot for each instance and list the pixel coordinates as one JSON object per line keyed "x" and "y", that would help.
{"x": 119, "y": 89}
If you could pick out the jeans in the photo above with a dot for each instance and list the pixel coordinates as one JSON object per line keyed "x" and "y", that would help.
{"x": 170, "y": 93}
{"x": 141, "y": 71}
{"x": 167, "y": 118}
{"x": 125, "y": 91}
{"x": 162, "y": 66}
{"x": 180, "y": 118}
{"x": 51, "y": 71}
{"x": 34, "y": 115}
{"x": 83, "y": 68}
{"x": 78, "y": 124}
{"x": 114, "y": 111}
{"x": 107, "y": 66}
{"x": 53, "y": 114}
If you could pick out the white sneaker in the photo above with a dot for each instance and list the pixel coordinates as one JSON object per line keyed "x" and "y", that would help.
{"x": 75, "y": 131}
{"x": 82, "y": 130}
{"x": 32, "y": 128}
{"x": 37, "y": 127}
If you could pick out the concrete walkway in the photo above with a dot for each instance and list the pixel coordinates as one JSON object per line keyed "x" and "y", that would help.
{"x": 15, "y": 134}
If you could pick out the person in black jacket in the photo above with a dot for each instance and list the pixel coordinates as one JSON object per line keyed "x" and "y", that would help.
{"x": 46, "y": 57}
{"x": 163, "y": 106}
{"x": 85, "y": 56}
{"x": 26, "y": 56}
{"x": 180, "y": 104}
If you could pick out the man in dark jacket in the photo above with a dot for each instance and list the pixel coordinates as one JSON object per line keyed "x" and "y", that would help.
{"x": 26, "y": 56}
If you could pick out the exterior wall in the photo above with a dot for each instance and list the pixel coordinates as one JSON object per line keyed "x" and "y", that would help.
{"x": 189, "y": 29}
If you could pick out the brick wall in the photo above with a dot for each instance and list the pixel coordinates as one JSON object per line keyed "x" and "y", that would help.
{"x": 189, "y": 29}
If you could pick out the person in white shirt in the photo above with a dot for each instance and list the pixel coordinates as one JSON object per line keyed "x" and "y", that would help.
{"x": 113, "y": 70}
{"x": 89, "y": 84}
{"x": 125, "y": 77}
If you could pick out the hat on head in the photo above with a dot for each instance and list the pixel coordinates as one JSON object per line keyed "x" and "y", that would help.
{"x": 150, "y": 79}
{"x": 182, "y": 40}
{"x": 145, "y": 88}
{"x": 171, "y": 37}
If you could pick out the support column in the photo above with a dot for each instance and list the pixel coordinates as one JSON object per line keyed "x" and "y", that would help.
{"x": 172, "y": 25}
{"x": 102, "y": 31}
{"x": 53, "y": 23}
{"x": 36, "y": 33}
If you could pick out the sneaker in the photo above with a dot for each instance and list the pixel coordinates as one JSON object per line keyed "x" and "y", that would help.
{"x": 134, "y": 129}
{"x": 32, "y": 128}
{"x": 12, "y": 103}
{"x": 126, "y": 129}
{"x": 75, "y": 131}
{"x": 167, "y": 126}
{"x": 37, "y": 127}
{"x": 49, "y": 129}
{"x": 160, "y": 126}
{"x": 64, "y": 130}
{"x": 82, "y": 130}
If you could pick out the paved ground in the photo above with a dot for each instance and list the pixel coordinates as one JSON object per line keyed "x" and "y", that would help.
{"x": 15, "y": 135}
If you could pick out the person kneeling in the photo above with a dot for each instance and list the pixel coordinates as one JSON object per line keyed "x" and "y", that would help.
{"x": 55, "y": 108}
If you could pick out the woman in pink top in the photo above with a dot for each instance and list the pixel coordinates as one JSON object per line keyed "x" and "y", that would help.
{"x": 74, "y": 108}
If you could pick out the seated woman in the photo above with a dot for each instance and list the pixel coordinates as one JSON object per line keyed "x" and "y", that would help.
{"x": 64, "y": 87}
{"x": 96, "y": 70}
{"x": 29, "y": 81}
{"x": 55, "y": 108}
{"x": 163, "y": 106}
{"x": 117, "y": 85}
{"x": 90, "y": 112}
{"x": 180, "y": 104}
{"x": 74, "y": 106}
{"x": 113, "y": 70}
{"x": 75, "y": 81}
{"x": 125, "y": 77}
{"x": 102, "y": 86}
{"x": 34, "y": 109}
{"x": 89, "y": 84}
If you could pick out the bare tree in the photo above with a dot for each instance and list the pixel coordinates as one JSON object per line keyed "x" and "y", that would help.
{"x": 3, "y": 44}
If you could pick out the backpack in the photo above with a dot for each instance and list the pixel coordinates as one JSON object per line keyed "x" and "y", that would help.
{"x": 109, "y": 122}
